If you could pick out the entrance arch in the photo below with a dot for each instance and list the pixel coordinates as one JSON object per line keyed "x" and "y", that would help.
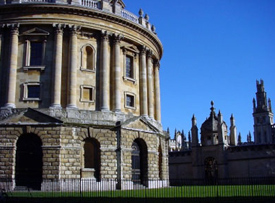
{"x": 211, "y": 169}
{"x": 160, "y": 162}
{"x": 92, "y": 156}
{"x": 139, "y": 162}
{"x": 28, "y": 165}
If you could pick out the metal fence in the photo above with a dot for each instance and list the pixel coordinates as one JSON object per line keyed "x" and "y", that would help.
{"x": 254, "y": 189}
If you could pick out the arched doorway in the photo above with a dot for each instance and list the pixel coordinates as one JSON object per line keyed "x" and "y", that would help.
{"x": 160, "y": 162}
{"x": 28, "y": 166}
{"x": 92, "y": 156}
{"x": 139, "y": 162}
{"x": 211, "y": 170}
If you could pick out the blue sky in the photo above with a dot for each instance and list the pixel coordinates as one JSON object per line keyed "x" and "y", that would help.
{"x": 213, "y": 50}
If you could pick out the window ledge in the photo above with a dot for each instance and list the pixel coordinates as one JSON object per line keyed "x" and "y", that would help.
{"x": 87, "y": 101}
{"x": 87, "y": 70}
{"x": 31, "y": 99}
{"x": 130, "y": 107}
{"x": 130, "y": 79}
{"x": 26, "y": 68}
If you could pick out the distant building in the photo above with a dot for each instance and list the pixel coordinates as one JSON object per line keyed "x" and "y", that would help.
{"x": 179, "y": 143}
{"x": 220, "y": 153}
{"x": 80, "y": 96}
{"x": 263, "y": 117}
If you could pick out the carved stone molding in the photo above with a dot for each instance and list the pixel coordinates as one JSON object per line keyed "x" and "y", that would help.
{"x": 156, "y": 64}
{"x": 143, "y": 49}
{"x": 105, "y": 35}
{"x": 117, "y": 38}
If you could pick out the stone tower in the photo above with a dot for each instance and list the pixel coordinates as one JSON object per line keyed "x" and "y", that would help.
{"x": 263, "y": 116}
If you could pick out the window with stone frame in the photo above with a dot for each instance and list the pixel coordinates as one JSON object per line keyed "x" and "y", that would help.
{"x": 87, "y": 93}
{"x": 129, "y": 67}
{"x": 129, "y": 100}
{"x": 31, "y": 91}
{"x": 36, "y": 53}
{"x": 35, "y": 48}
{"x": 87, "y": 58}
{"x": 129, "y": 61}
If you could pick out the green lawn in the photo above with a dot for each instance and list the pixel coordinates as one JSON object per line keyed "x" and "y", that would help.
{"x": 171, "y": 192}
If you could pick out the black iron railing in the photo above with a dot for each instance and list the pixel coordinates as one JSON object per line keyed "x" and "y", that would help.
{"x": 251, "y": 188}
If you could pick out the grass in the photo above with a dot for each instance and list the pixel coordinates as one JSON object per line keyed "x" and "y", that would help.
{"x": 171, "y": 192}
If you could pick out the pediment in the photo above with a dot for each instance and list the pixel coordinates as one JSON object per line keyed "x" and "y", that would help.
{"x": 140, "y": 124}
{"x": 133, "y": 49}
{"x": 30, "y": 117}
{"x": 36, "y": 31}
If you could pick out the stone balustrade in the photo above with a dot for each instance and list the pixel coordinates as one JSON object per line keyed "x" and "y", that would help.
{"x": 128, "y": 15}
{"x": 92, "y": 4}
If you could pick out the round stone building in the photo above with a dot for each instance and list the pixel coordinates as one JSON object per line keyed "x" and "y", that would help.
{"x": 80, "y": 96}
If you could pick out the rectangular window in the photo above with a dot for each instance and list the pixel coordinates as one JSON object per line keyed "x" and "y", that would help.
{"x": 130, "y": 101}
{"x": 36, "y": 53}
{"x": 129, "y": 67}
{"x": 32, "y": 91}
{"x": 87, "y": 93}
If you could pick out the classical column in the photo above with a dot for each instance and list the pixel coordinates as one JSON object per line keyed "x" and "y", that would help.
{"x": 105, "y": 72}
{"x": 1, "y": 38}
{"x": 57, "y": 73}
{"x": 143, "y": 82}
{"x": 73, "y": 68}
{"x": 117, "y": 73}
{"x": 157, "y": 92}
{"x": 150, "y": 84}
{"x": 11, "y": 88}
{"x": 0, "y": 46}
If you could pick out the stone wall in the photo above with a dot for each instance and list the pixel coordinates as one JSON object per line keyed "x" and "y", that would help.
{"x": 233, "y": 162}
{"x": 252, "y": 161}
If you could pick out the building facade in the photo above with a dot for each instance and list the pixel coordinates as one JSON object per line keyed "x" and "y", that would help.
{"x": 219, "y": 153}
{"x": 80, "y": 95}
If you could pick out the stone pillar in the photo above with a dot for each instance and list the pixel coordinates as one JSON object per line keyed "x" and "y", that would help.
{"x": 72, "y": 68}
{"x": 57, "y": 73}
{"x": 143, "y": 82}
{"x": 0, "y": 47}
{"x": 105, "y": 72}
{"x": 1, "y": 55}
{"x": 150, "y": 84}
{"x": 157, "y": 92}
{"x": 117, "y": 76}
{"x": 11, "y": 86}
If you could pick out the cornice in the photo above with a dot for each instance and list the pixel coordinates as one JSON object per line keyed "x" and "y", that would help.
{"x": 15, "y": 10}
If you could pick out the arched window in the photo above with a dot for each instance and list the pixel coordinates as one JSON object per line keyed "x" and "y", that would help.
{"x": 87, "y": 58}
{"x": 91, "y": 159}
{"x": 28, "y": 166}
{"x": 139, "y": 162}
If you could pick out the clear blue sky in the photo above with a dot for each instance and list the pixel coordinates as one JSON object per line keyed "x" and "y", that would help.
{"x": 213, "y": 50}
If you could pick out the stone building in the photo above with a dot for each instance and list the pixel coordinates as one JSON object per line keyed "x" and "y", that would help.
{"x": 264, "y": 127}
{"x": 80, "y": 95}
{"x": 219, "y": 154}
{"x": 180, "y": 142}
